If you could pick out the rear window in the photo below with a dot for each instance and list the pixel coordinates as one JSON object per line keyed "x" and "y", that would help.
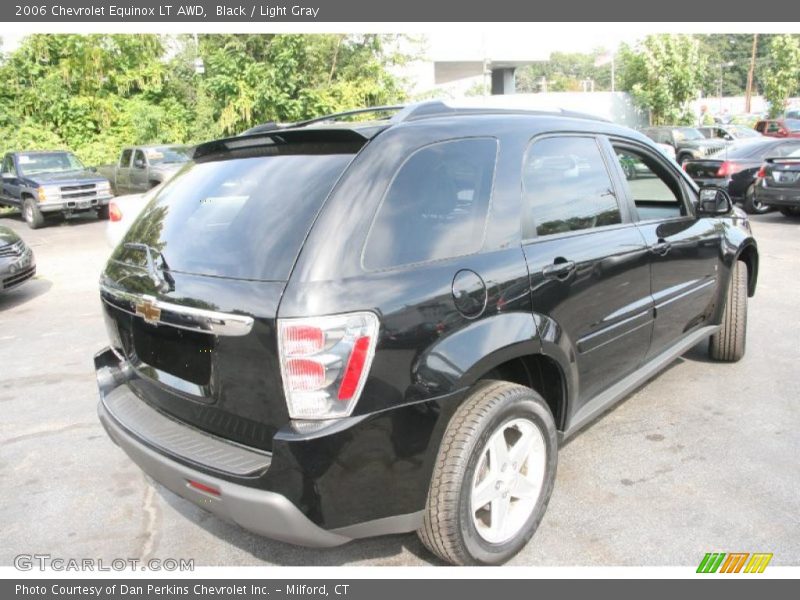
{"x": 242, "y": 218}
{"x": 749, "y": 148}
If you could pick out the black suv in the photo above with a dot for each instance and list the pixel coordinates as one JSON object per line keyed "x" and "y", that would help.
{"x": 338, "y": 330}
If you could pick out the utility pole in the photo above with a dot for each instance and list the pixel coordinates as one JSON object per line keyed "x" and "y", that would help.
{"x": 749, "y": 93}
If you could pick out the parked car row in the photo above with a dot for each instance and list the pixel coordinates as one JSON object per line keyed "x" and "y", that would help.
{"x": 55, "y": 183}
{"x": 736, "y": 168}
{"x": 742, "y": 160}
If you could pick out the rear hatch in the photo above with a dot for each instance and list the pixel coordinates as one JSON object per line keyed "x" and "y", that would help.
{"x": 191, "y": 294}
{"x": 782, "y": 172}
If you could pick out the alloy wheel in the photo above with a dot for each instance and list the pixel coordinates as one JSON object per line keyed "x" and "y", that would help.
{"x": 508, "y": 480}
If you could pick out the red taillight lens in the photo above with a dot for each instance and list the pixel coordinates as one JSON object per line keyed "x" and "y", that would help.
{"x": 304, "y": 375}
{"x": 728, "y": 168}
{"x": 114, "y": 213}
{"x": 762, "y": 172}
{"x": 325, "y": 362}
{"x": 355, "y": 366}
{"x": 301, "y": 340}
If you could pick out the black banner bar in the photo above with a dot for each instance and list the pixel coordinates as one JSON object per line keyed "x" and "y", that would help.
{"x": 360, "y": 11}
{"x": 732, "y": 588}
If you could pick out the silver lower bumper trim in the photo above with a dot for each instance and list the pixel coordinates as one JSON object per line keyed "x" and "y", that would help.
{"x": 262, "y": 512}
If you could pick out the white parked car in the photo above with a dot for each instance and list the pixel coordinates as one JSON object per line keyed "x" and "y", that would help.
{"x": 122, "y": 212}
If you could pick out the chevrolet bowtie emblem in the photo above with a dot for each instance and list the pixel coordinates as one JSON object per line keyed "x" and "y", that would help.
{"x": 148, "y": 310}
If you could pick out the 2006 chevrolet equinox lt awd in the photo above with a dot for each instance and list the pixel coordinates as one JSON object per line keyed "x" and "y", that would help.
{"x": 343, "y": 329}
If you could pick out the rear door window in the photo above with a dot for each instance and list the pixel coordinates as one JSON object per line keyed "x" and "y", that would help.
{"x": 567, "y": 187}
{"x": 242, "y": 218}
{"x": 436, "y": 206}
{"x": 125, "y": 158}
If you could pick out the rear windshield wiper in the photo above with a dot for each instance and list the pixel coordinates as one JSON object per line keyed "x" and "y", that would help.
{"x": 160, "y": 277}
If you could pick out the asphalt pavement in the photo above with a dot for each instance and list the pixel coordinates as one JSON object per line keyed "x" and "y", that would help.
{"x": 703, "y": 458}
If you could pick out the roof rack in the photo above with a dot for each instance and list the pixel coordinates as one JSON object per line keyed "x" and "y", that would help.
{"x": 418, "y": 111}
{"x": 437, "y": 108}
{"x": 349, "y": 113}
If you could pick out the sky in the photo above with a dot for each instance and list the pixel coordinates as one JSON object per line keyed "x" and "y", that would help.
{"x": 509, "y": 38}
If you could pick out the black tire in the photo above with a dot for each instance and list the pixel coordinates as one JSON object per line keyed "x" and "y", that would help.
{"x": 682, "y": 158}
{"x": 752, "y": 205}
{"x": 728, "y": 344}
{"x": 102, "y": 213}
{"x": 31, "y": 213}
{"x": 448, "y": 528}
{"x": 790, "y": 211}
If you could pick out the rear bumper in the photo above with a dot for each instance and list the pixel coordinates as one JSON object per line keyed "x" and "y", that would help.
{"x": 788, "y": 196}
{"x": 288, "y": 495}
{"x": 259, "y": 511}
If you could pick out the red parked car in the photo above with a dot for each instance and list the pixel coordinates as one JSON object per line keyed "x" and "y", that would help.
{"x": 779, "y": 127}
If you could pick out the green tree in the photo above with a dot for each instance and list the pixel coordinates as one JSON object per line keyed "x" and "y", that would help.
{"x": 782, "y": 77}
{"x": 663, "y": 74}
{"x": 95, "y": 93}
{"x": 565, "y": 72}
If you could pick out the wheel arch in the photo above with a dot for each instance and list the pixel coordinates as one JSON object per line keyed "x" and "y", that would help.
{"x": 508, "y": 347}
{"x": 748, "y": 254}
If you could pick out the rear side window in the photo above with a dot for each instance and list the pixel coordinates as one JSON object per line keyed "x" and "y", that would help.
{"x": 436, "y": 206}
{"x": 125, "y": 159}
{"x": 567, "y": 187}
{"x": 243, "y": 218}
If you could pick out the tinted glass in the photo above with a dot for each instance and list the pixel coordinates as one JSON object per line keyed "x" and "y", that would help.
{"x": 750, "y": 148}
{"x": 784, "y": 149}
{"x": 567, "y": 187}
{"x": 743, "y": 132}
{"x": 436, "y": 206}
{"x": 125, "y": 159}
{"x": 138, "y": 159}
{"x": 686, "y": 134}
{"x": 244, "y": 218}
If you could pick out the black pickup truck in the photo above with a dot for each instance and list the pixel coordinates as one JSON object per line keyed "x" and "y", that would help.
{"x": 51, "y": 182}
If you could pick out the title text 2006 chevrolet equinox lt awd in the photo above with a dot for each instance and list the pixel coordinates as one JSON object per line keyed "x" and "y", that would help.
{"x": 337, "y": 330}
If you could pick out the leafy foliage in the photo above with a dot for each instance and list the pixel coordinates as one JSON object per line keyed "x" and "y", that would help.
{"x": 663, "y": 74}
{"x": 783, "y": 77}
{"x": 565, "y": 72}
{"x": 95, "y": 93}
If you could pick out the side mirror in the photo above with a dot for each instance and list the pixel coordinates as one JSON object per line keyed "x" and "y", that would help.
{"x": 714, "y": 201}
{"x": 727, "y": 137}
{"x": 138, "y": 163}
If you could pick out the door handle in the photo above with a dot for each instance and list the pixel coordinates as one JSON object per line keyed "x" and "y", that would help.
{"x": 559, "y": 270}
{"x": 661, "y": 247}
